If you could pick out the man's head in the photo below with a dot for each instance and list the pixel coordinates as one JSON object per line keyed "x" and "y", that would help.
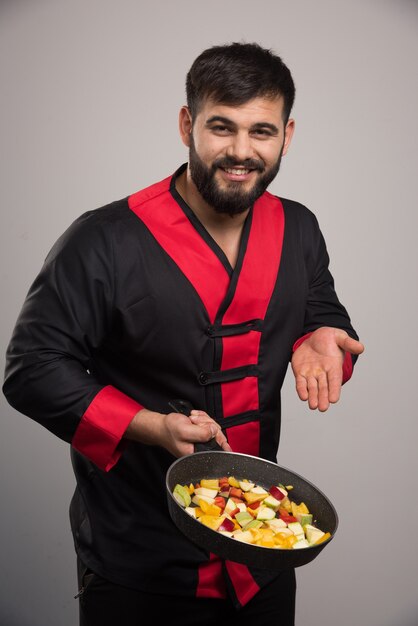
{"x": 236, "y": 123}
{"x": 236, "y": 73}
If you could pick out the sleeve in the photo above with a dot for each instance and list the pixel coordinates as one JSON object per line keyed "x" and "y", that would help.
{"x": 64, "y": 319}
{"x": 323, "y": 307}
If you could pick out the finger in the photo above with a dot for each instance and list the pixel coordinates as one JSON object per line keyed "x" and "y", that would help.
{"x": 312, "y": 392}
{"x": 201, "y": 417}
{"x": 198, "y": 413}
{"x": 323, "y": 392}
{"x": 302, "y": 387}
{"x": 334, "y": 385}
{"x": 222, "y": 441}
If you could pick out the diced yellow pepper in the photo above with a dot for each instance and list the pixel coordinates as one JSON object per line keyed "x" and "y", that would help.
{"x": 286, "y": 505}
{"x": 266, "y": 543}
{"x": 250, "y": 497}
{"x": 297, "y": 509}
{"x": 210, "y": 509}
{"x": 211, "y": 521}
{"x": 233, "y": 481}
{"x": 284, "y": 541}
{"x": 256, "y": 533}
{"x": 210, "y": 483}
{"x": 267, "y": 533}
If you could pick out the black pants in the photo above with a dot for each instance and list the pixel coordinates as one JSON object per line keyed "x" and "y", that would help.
{"x": 103, "y": 603}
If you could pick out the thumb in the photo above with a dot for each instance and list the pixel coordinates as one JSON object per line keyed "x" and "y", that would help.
{"x": 350, "y": 345}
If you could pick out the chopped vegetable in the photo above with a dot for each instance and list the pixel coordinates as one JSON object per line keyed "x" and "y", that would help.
{"x": 244, "y": 511}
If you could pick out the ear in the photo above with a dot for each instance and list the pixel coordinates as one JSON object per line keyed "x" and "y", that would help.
{"x": 288, "y": 134}
{"x": 185, "y": 125}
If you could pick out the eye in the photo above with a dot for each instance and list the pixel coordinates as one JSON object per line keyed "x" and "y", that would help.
{"x": 220, "y": 129}
{"x": 262, "y": 132}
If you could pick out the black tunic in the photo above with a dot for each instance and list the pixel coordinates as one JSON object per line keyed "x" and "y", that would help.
{"x": 136, "y": 305}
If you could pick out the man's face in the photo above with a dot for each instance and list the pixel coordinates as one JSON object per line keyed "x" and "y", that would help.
{"x": 235, "y": 152}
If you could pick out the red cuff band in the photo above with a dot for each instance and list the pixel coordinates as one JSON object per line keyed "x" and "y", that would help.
{"x": 347, "y": 367}
{"x": 300, "y": 341}
{"x": 99, "y": 433}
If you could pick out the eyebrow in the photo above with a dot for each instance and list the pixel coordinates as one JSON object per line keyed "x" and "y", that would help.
{"x": 228, "y": 122}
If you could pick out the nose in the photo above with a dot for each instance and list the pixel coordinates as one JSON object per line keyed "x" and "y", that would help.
{"x": 240, "y": 147}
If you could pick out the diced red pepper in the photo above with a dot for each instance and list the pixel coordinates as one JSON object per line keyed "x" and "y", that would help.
{"x": 237, "y": 500}
{"x": 220, "y": 502}
{"x": 235, "y": 492}
{"x": 287, "y": 518}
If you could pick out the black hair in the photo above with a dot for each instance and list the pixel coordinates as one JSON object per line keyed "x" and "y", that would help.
{"x": 235, "y": 73}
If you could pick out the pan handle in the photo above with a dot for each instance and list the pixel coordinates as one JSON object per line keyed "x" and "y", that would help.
{"x": 184, "y": 407}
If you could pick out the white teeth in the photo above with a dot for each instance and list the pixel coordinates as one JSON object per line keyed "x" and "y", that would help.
{"x": 236, "y": 172}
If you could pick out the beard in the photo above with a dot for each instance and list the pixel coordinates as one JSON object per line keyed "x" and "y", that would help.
{"x": 234, "y": 199}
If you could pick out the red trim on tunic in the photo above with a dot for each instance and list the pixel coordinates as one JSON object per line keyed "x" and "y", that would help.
{"x": 198, "y": 262}
{"x": 177, "y": 236}
{"x": 100, "y": 431}
{"x": 240, "y": 349}
{"x": 245, "y": 438}
{"x": 239, "y": 396}
{"x": 211, "y": 581}
{"x": 257, "y": 278}
{"x": 244, "y": 584}
{"x": 252, "y": 296}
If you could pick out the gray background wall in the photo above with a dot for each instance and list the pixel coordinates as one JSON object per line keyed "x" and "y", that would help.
{"x": 90, "y": 93}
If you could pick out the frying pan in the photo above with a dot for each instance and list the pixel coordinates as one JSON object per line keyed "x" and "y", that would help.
{"x": 214, "y": 463}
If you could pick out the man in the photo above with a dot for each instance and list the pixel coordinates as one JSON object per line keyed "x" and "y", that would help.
{"x": 204, "y": 287}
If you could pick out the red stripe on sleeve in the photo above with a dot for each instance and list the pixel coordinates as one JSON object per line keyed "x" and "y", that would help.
{"x": 99, "y": 433}
{"x": 244, "y": 584}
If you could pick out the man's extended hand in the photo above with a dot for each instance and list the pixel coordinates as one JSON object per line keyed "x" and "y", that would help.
{"x": 317, "y": 365}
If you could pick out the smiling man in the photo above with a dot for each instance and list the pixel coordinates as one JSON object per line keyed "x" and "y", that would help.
{"x": 205, "y": 287}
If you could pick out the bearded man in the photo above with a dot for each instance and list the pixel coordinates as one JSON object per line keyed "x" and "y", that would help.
{"x": 202, "y": 286}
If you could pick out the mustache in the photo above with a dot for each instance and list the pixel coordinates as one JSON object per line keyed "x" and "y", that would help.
{"x": 228, "y": 162}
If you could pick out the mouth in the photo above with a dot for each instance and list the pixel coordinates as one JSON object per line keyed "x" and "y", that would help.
{"x": 237, "y": 174}
{"x": 235, "y": 171}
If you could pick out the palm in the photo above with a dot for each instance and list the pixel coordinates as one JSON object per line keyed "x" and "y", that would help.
{"x": 317, "y": 366}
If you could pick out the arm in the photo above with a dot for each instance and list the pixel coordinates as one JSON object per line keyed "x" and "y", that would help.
{"x": 49, "y": 375}
{"x": 324, "y": 356}
{"x": 66, "y": 314}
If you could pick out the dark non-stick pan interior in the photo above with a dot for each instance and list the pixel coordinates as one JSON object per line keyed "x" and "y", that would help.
{"x": 214, "y": 464}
